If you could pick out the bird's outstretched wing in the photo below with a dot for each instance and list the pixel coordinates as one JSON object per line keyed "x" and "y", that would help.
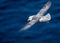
{"x": 44, "y": 9}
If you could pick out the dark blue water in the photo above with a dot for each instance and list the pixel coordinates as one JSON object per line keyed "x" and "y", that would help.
{"x": 14, "y": 15}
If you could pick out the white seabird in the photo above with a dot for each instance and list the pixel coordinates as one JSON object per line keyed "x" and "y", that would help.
{"x": 38, "y": 17}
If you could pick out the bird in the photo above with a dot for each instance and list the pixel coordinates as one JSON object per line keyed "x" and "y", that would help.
{"x": 38, "y": 17}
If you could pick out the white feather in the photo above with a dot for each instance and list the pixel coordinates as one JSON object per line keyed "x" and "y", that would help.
{"x": 45, "y": 18}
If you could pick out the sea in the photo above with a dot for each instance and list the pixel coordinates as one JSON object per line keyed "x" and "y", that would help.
{"x": 14, "y": 15}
